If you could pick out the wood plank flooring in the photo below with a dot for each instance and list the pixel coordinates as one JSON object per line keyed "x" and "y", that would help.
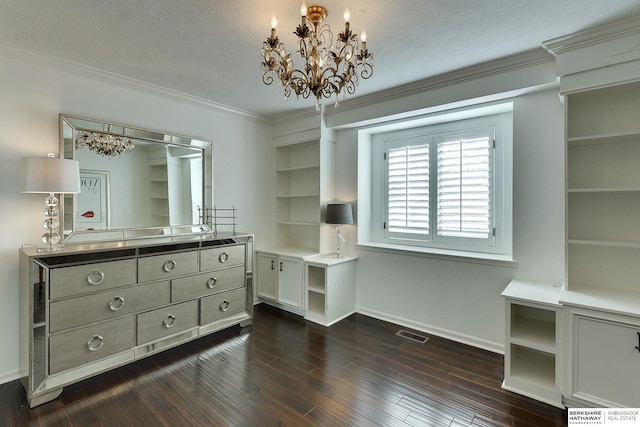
{"x": 283, "y": 371}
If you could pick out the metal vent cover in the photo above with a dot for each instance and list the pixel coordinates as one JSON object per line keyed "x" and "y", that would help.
{"x": 411, "y": 336}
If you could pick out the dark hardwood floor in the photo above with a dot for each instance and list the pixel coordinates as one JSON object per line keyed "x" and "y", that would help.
{"x": 283, "y": 371}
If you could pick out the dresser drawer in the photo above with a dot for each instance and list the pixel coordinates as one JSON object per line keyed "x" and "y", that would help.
{"x": 82, "y": 279}
{"x": 107, "y": 305}
{"x": 76, "y": 348}
{"x": 166, "y": 321}
{"x": 209, "y": 283}
{"x": 211, "y": 259}
{"x": 165, "y": 266}
{"x": 219, "y": 306}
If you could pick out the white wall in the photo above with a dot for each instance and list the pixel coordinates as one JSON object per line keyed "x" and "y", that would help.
{"x": 31, "y": 98}
{"x": 459, "y": 299}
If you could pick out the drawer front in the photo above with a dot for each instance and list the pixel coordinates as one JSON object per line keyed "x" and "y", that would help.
{"x": 82, "y": 279}
{"x": 209, "y": 283}
{"x": 76, "y": 348}
{"x": 602, "y": 343}
{"x": 211, "y": 259}
{"x": 165, "y": 266}
{"x": 219, "y": 306}
{"x": 166, "y": 321}
{"x": 107, "y": 305}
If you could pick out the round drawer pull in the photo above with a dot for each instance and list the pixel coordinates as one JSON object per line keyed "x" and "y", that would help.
{"x": 224, "y": 256}
{"x": 211, "y": 282}
{"x": 95, "y": 343}
{"x": 95, "y": 277}
{"x": 224, "y": 305}
{"x": 169, "y": 266}
{"x": 116, "y": 303}
{"x": 169, "y": 321}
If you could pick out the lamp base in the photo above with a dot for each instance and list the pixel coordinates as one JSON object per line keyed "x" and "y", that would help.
{"x": 51, "y": 238}
{"x": 339, "y": 241}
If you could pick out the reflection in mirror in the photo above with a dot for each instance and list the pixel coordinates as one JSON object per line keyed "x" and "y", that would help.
{"x": 133, "y": 178}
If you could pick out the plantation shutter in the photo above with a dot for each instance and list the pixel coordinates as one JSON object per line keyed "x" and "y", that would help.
{"x": 408, "y": 189}
{"x": 464, "y": 187}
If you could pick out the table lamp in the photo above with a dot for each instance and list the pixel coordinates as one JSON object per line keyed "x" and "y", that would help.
{"x": 50, "y": 175}
{"x": 339, "y": 214}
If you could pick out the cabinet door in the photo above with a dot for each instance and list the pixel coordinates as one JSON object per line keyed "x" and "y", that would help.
{"x": 606, "y": 361}
{"x": 266, "y": 275}
{"x": 290, "y": 281}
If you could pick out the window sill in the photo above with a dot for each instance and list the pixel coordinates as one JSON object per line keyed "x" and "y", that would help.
{"x": 443, "y": 254}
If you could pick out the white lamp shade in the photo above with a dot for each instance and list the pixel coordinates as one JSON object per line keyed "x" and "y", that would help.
{"x": 339, "y": 213}
{"x": 49, "y": 175}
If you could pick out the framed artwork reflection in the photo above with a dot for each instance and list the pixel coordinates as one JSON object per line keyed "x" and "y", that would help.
{"x": 92, "y": 212}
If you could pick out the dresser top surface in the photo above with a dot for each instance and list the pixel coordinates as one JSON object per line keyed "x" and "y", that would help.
{"x": 195, "y": 241}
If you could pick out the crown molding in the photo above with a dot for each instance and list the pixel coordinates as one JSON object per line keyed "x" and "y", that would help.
{"x": 486, "y": 69}
{"x": 76, "y": 68}
{"x": 593, "y": 36}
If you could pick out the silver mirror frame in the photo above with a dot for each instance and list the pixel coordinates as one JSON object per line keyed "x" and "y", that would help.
{"x": 68, "y": 151}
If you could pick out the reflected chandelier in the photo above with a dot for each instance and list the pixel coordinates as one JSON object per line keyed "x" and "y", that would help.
{"x": 326, "y": 71}
{"x": 105, "y": 144}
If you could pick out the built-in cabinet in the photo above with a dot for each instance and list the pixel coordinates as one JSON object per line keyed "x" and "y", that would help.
{"x": 95, "y": 306}
{"x": 602, "y": 296}
{"x": 303, "y": 187}
{"x": 330, "y": 288}
{"x": 280, "y": 277}
{"x": 599, "y": 74}
{"x": 533, "y": 360}
{"x": 605, "y": 358}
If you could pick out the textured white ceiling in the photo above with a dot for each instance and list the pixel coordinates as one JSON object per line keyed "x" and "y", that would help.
{"x": 211, "y": 48}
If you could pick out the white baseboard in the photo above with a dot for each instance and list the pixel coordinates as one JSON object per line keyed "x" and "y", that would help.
{"x": 6, "y": 377}
{"x": 434, "y": 330}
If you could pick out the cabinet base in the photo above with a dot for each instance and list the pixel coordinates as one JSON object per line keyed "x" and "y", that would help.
{"x": 44, "y": 397}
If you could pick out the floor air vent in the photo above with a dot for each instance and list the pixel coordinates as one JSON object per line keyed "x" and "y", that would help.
{"x": 411, "y": 336}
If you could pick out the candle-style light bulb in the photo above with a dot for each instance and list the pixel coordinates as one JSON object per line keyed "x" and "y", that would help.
{"x": 303, "y": 14}
{"x": 347, "y": 15}
{"x": 363, "y": 36}
{"x": 274, "y": 22}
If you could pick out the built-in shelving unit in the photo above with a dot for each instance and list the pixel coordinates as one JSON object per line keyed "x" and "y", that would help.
{"x": 159, "y": 191}
{"x": 330, "y": 288}
{"x": 298, "y": 195}
{"x": 533, "y": 362}
{"x": 602, "y": 297}
{"x": 603, "y": 190}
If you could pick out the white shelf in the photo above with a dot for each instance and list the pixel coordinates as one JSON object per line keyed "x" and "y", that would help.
{"x": 606, "y": 243}
{"x": 600, "y": 298}
{"x": 535, "y": 334}
{"x": 302, "y": 223}
{"x": 530, "y": 292}
{"x": 605, "y": 138}
{"x": 604, "y": 190}
{"x": 299, "y": 195}
{"x": 534, "y": 367}
{"x": 310, "y": 168}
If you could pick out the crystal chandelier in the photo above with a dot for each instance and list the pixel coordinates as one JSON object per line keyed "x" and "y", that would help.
{"x": 326, "y": 71}
{"x": 105, "y": 144}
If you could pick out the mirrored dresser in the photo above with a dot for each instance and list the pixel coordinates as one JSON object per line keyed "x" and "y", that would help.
{"x": 94, "y": 306}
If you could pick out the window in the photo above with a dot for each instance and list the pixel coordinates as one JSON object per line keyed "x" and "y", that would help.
{"x": 443, "y": 186}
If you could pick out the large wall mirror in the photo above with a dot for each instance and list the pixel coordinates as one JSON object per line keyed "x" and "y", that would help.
{"x": 133, "y": 179}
